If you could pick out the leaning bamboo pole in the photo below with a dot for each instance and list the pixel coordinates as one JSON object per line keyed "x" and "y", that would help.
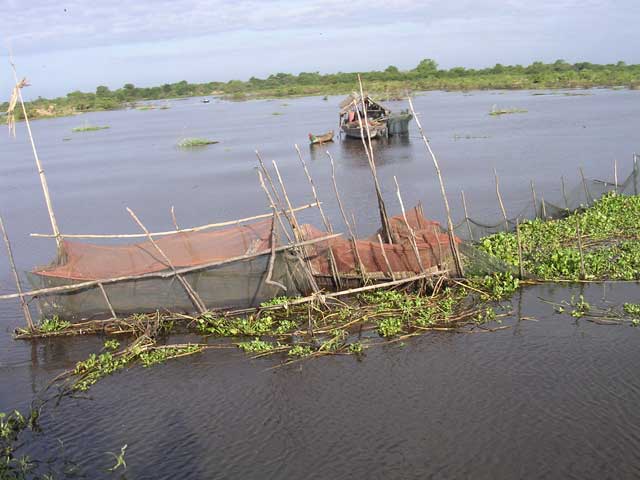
{"x": 25, "y": 308}
{"x": 386, "y": 259}
{"x": 452, "y": 240}
{"x": 193, "y": 295}
{"x": 534, "y": 200}
{"x": 330, "y": 255}
{"x": 161, "y": 274}
{"x": 272, "y": 257}
{"x": 466, "y": 215}
{"x": 412, "y": 234}
{"x": 173, "y": 232}
{"x": 352, "y": 235}
{"x": 41, "y": 174}
{"x": 504, "y": 212}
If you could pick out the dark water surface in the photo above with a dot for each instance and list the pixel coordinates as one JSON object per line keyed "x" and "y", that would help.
{"x": 549, "y": 398}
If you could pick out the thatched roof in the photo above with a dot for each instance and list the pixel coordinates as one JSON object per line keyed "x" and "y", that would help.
{"x": 347, "y": 103}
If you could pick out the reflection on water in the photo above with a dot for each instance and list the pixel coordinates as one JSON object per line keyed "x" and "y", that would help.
{"x": 554, "y": 397}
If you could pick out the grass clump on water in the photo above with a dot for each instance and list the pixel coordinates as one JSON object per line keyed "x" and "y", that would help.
{"x": 89, "y": 128}
{"x": 196, "y": 142}
{"x": 495, "y": 111}
{"x": 609, "y": 234}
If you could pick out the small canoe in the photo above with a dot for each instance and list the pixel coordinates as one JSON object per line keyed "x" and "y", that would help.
{"x": 320, "y": 139}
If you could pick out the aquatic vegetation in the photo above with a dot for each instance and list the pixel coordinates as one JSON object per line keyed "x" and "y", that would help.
{"x": 632, "y": 309}
{"x": 278, "y": 301}
{"x": 390, "y": 327}
{"x": 256, "y": 346}
{"x": 580, "y": 307}
{"x": 277, "y": 113}
{"x": 196, "y": 142}
{"x": 11, "y": 426}
{"x": 53, "y": 324}
{"x": 161, "y": 354}
{"x": 285, "y": 326}
{"x": 300, "y": 351}
{"x": 495, "y": 111}
{"x": 146, "y": 107}
{"x": 89, "y": 128}
{"x": 95, "y": 367}
{"x": 111, "y": 345}
{"x": 120, "y": 462}
{"x": 232, "y": 327}
{"x": 610, "y": 238}
{"x": 356, "y": 348}
{"x": 497, "y": 286}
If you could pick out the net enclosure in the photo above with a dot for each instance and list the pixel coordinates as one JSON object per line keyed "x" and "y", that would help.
{"x": 237, "y": 267}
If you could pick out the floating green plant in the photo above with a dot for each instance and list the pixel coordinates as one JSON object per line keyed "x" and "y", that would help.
{"x": 196, "y": 142}
{"x": 89, "y": 128}
{"x": 495, "y": 111}
{"x": 53, "y": 324}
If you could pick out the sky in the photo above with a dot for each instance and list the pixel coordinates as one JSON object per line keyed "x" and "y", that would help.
{"x": 67, "y": 45}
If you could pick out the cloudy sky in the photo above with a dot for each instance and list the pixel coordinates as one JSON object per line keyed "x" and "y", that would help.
{"x": 65, "y": 45}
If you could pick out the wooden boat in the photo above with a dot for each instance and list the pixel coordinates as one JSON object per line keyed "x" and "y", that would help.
{"x": 352, "y": 130}
{"x": 320, "y": 139}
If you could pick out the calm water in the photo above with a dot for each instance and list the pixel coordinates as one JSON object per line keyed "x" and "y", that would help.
{"x": 546, "y": 398}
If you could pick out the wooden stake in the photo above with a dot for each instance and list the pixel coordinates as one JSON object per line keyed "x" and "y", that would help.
{"x": 106, "y": 299}
{"x": 615, "y": 174}
{"x": 544, "y": 208}
{"x": 564, "y": 194}
{"x": 586, "y": 190}
{"x": 504, "y": 212}
{"x": 298, "y": 233}
{"x": 452, "y": 241}
{"x": 173, "y": 217}
{"x": 437, "y": 238}
{"x": 331, "y": 257}
{"x": 412, "y": 235}
{"x": 25, "y": 308}
{"x": 384, "y": 219}
{"x": 43, "y": 177}
{"x": 272, "y": 257}
{"x": 534, "y": 200}
{"x": 193, "y": 295}
{"x": 635, "y": 174}
{"x": 466, "y": 216}
{"x": 583, "y": 274}
{"x": 346, "y": 220}
{"x": 521, "y": 267}
{"x": 273, "y": 205}
{"x": 386, "y": 259}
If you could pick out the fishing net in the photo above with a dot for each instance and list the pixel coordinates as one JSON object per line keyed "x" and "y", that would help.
{"x": 216, "y": 271}
{"x": 582, "y": 194}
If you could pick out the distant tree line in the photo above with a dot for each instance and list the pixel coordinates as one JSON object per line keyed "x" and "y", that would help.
{"x": 425, "y": 76}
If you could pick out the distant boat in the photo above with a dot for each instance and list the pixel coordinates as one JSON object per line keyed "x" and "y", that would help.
{"x": 320, "y": 139}
{"x": 205, "y": 100}
{"x": 382, "y": 122}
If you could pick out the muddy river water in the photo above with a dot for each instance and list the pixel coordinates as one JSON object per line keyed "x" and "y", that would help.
{"x": 549, "y": 397}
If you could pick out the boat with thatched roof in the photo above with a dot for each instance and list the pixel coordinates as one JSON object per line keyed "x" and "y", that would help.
{"x": 380, "y": 120}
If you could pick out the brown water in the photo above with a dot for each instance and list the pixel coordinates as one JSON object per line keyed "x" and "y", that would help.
{"x": 549, "y": 398}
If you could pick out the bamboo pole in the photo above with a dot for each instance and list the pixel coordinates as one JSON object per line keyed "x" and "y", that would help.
{"x": 25, "y": 308}
{"x": 564, "y": 193}
{"x": 521, "y": 267}
{"x": 382, "y": 210}
{"x": 331, "y": 257}
{"x": 583, "y": 274}
{"x": 586, "y": 190}
{"x": 412, "y": 235}
{"x": 272, "y": 257}
{"x": 504, "y": 212}
{"x": 544, "y": 207}
{"x": 437, "y": 238}
{"x": 534, "y": 200}
{"x": 452, "y": 240}
{"x": 108, "y": 302}
{"x": 162, "y": 274}
{"x": 386, "y": 259}
{"x": 355, "y": 247}
{"x": 635, "y": 174}
{"x": 173, "y": 218}
{"x": 43, "y": 177}
{"x": 298, "y": 234}
{"x": 273, "y": 204}
{"x": 615, "y": 174}
{"x": 268, "y": 176}
{"x": 345, "y": 219}
{"x": 173, "y": 232}
{"x": 193, "y": 295}
{"x": 466, "y": 215}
